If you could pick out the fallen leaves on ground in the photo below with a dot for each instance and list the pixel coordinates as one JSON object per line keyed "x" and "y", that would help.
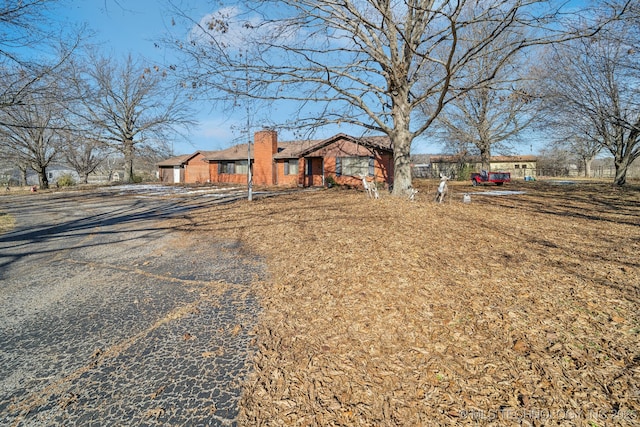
{"x": 519, "y": 308}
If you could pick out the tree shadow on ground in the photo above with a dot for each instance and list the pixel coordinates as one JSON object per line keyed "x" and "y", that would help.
{"x": 49, "y": 224}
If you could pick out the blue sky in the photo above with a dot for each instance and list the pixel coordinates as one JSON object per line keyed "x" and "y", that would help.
{"x": 136, "y": 26}
{"x": 125, "y": 26}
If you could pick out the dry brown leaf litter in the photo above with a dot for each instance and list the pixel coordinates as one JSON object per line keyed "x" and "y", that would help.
{"x": 511, "y": 310}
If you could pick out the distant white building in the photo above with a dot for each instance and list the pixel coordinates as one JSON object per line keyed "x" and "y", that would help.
{"x": 13, "y": 176}
{"x": 55, "y": 172}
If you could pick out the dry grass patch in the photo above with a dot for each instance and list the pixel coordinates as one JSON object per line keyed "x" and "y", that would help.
{"x": 520, "y": 308}
{"x": 7, "y": 222}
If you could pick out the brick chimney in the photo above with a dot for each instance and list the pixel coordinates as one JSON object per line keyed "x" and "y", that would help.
{"x": 265, "y": 145}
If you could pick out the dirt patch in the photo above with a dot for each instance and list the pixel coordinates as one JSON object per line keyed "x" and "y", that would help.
{"x": 507, "y": 310}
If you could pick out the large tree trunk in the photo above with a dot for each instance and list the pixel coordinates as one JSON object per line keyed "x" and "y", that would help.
{"x": 484, "y": 146}
{"x": 23, "y": 175}
{"x": 485, "y": 158}
{"x": 621, "y": 171}
{"x": 128, "y": 152}
{"x": 401, "y": 138}
{"x": 401, "y": 162}
{"x": 42, "y": 177}
{"x": 587, "y": 167}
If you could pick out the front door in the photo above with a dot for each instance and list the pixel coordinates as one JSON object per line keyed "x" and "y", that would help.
{"x": 313, "y": 172}
{"x": 308, "y": 172}
{"x": 176, "y": 174}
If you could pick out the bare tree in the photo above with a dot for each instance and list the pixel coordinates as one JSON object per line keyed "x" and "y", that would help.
{"x": 362, "y": 62}
{"x": 586, "y": 150}
{"x": 83, "y": 155}
{"x": 31, "y": 133}
{"x": 593, "y": 92}
{"x": 24, "y": 27}
{"x": 21, "y": 28}
{"x": 490, "y": 116}
{"x": 554, "y": 161}
{"x": 17, "y": 20}
{"x": 12, "y": 160}
{"x": 129, "y": 106}
{"x": 29, "y": 117}
{"x": 110, "y": 165}
{"x": 486, "y": 119}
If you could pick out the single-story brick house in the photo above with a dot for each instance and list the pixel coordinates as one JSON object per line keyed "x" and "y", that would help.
{"x": 172, "y": 170}
{"x": 341, "y": 158}
{"x": 519, "y": 166}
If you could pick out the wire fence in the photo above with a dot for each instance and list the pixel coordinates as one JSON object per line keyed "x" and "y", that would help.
{"x": 427, "y": 172}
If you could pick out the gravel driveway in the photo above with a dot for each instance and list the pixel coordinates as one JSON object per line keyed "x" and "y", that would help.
{"x": 110, "y": 317}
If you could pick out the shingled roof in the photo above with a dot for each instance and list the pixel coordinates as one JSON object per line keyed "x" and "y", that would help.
{"x": 286, "y": 149}
{"x": 176, "y": 161}
{"x": 237, "y": 152}
{"x": 293, "y": 149}
{"x": 184, "y": 158}
{"x": 379, "y": 142}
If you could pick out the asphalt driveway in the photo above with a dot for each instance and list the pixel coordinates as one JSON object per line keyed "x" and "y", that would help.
{"x": 110, "y": 317}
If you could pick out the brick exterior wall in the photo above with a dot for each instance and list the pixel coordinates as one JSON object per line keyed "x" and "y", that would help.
{"x": 288, "y": 180}
{"x": 267, "y": 171}
{"x": 226, "y": 178}
{"x": 264, "y": 147}
{"x": 196, "y": 170}
{"x": 383, "y": 164}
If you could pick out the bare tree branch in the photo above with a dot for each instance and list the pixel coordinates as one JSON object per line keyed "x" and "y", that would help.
{"x": 370, "y": 63}
{"x": 593, "y": 92}
{"x": 128, "y": 105}
{"x": 29, "y": 130}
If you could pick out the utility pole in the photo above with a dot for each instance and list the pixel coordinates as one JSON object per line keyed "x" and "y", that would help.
{"x": 249, "y": 176}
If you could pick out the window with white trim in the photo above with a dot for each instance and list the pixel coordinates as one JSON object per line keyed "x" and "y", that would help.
{"x": 355, "y": 166}
{"x": 241, "y": 167}
{"x": 291, "y": 167}
{"x": 237, "y": 167}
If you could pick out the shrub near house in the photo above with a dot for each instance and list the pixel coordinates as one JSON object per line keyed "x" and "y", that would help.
{"x": 65, "y": 181}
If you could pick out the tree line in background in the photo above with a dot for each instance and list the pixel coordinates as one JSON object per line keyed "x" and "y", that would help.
{"x": 479, "y": 76}
{"x": 74, "y": 106}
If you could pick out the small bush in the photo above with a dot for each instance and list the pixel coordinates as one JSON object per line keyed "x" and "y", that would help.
{"x": 66, "y": 180}
{"x": 464, "y": 173}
